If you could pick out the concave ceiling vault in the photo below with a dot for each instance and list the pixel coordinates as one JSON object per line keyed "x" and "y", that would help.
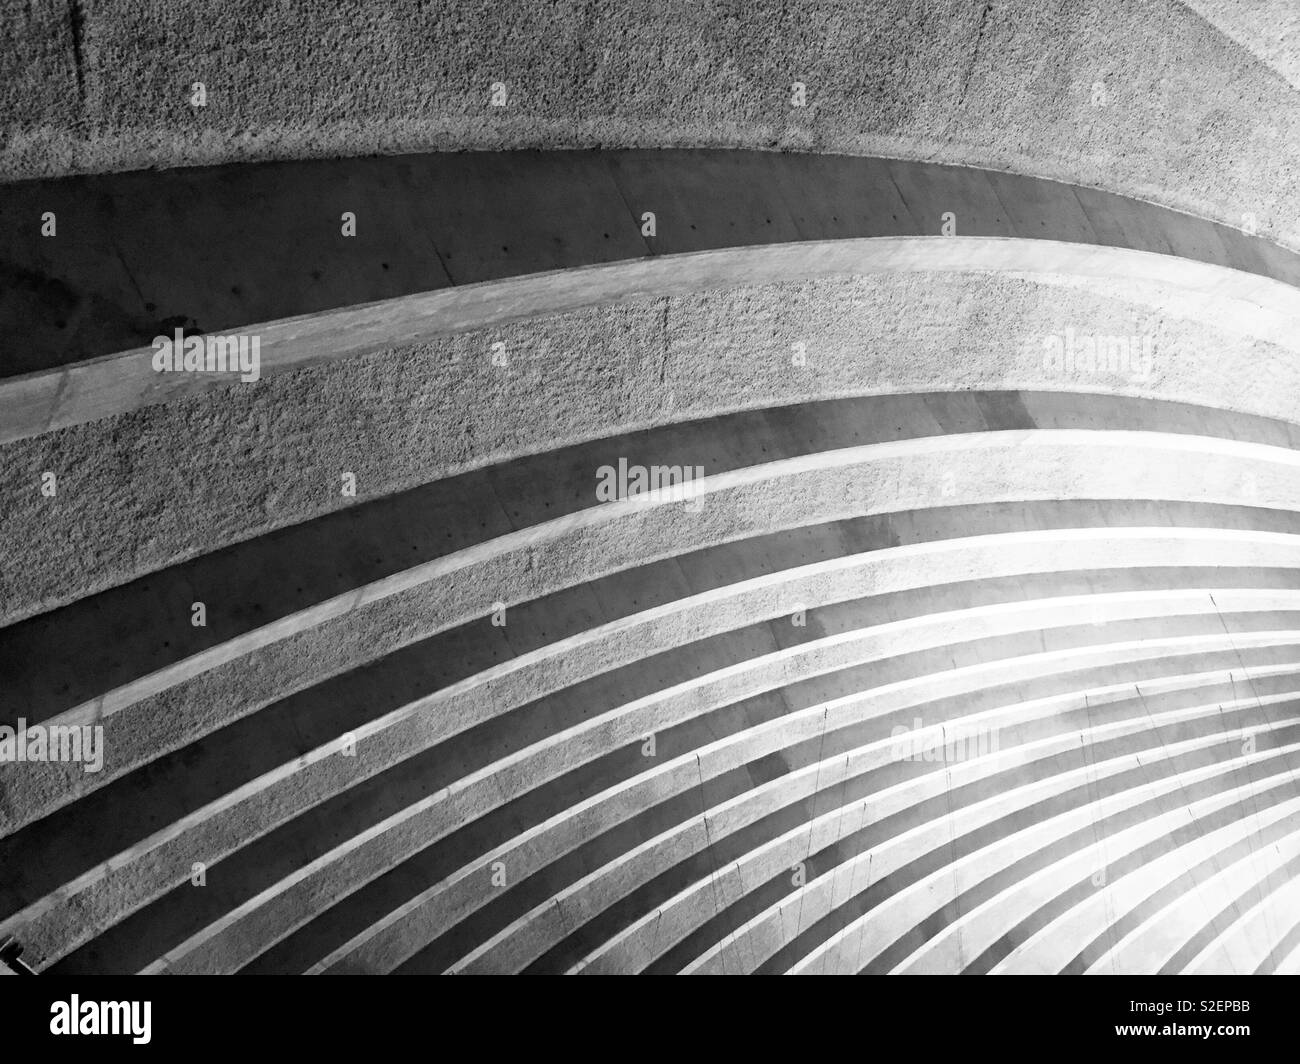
{"x": 961, "y": 655}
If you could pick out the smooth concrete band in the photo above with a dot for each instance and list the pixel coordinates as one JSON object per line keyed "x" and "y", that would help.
{"x": 751, "y": 945}
{"x": 664, "y": 932}
{"x": 779, "y": 216}
{"x": 506, "y": 780}
{"x": 319, "y": 564}
{"x": 862, "y": 939}
{"x": 114, "y": 384}
{"x": 912, "y": 474}
{"x": 394, "y": 937}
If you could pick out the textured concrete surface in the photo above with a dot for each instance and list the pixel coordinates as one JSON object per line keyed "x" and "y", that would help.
{"x": 252, "y": 596}
{"x": 214, "y": 249}
{"x": 1180, "y": 119}
{"x": 1269, "y": 29}
{"x": 226, "y": 248}
{"x": 179, "y": 716}
{"x": 1047, "y": 473}
{"x": 257, "y": 459}
{"x": 479, "y": 717}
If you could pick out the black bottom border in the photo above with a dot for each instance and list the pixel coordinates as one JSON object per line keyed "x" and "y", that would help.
{"x": 353, "y": 1015}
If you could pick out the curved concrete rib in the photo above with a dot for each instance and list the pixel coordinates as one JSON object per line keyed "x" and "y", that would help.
{"x": 929, "y": 899}
{"x": 665, "y": 923}
{"x": 797, "y": 846}
{"x": 1056, "y": 944}
{"x": 835, "y": 483}
{"x": 263, "y": 582}
{"x": 1079, "y": 880}
{"x": 565, "y": 210}
{"x": 1097, "y": 567}
{"x": 1022, "y": 465}
{"x": 1243, "y": 831}
{"x": 525, "y": 854}
{"x": 1217, "y": 879}
{"x": 416, "y": 727}
{"x": 290, "y": 899}
{"x": 397, "y": 737}
{"x": 975, "y": 468}
{"x": 784, "y": 587}
{"x": 1245, "y": 944}
{"x": 1177, "y": 537}
{"x": 867, "y": 335}
{"x": 1032, "y": 455}
{"x": 115, "y": 384}
{"x": 561, "y": 834}
{"x": 619, "y": 880}
{"x": 1132, "y": 901}
{"x": 393, "y": 937}
{"x": 875, "y": 572}
{"x": 859, "y": 941}
{"x": 1290, "y": 964}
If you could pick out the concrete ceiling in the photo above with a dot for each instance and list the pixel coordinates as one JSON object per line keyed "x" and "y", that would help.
{"x": 962, "y": 654}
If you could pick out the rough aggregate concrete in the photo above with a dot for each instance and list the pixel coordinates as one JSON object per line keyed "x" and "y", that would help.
{"x": 1192, "y": 119}
{"x": 1270, "y": 29}
{"x": 144, "y": 490}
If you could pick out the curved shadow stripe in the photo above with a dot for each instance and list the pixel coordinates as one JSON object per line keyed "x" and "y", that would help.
{"x": 418, "y": 812}
{"x": 271, "y": 259}
{"x": 1108, "y": 584}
